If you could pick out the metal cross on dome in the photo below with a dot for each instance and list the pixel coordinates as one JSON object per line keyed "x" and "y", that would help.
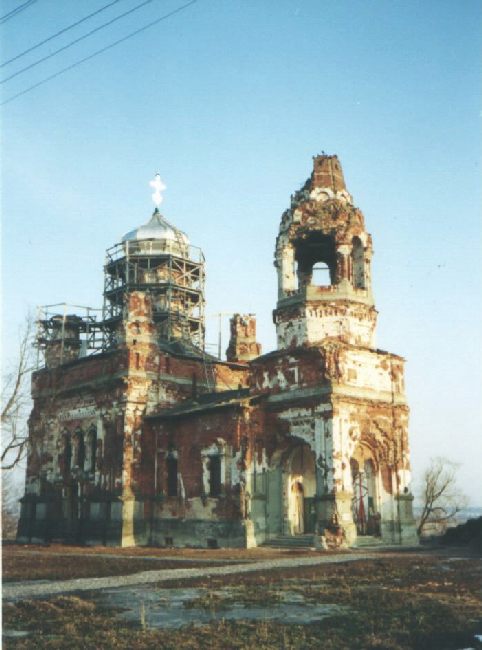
{"x": 158, "y": 187}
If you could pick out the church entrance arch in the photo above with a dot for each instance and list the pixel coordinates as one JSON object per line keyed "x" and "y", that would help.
{"x": 300, "y": 490}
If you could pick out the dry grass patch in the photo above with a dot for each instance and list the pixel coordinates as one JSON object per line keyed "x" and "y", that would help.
{"x": 258, "y": 553}
{"x": 26, "y": 566}
{"x": 404, "y": 603}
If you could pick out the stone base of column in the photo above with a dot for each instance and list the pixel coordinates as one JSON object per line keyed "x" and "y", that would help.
{"x": 401, "y": 528}
{"x": 128, "y": 537}
{"x": 250, "y": 534}
{"x": 408, "y": 528}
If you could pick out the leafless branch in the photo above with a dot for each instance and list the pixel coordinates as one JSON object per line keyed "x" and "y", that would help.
{"x": 441, "y": 497}
{"x": 15, "y": 402}
{"x": 10, "y": 508}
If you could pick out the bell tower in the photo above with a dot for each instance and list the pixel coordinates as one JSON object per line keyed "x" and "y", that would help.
{"x": 323, "y": 255}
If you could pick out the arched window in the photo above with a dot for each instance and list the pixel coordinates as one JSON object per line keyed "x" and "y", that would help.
{"x": 358, "y": 264}
{"x": 316, "y": 260}
{"x": 171, "y": 466}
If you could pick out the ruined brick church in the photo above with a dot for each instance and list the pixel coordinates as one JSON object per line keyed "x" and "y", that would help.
{"x": 140, "y": 437}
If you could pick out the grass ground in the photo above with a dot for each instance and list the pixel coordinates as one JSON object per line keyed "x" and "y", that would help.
{"x": 20, "y": 567}
{"x": 152, "y": 551}
{"x": 415, "y": 602}
{"x": 56, "y": 562}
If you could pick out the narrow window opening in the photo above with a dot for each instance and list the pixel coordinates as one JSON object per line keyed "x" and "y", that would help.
{"x": 81, "y": 451}
{"x": 93, "y": 449}
{"x": 214, "y": 476}
{"x": 171, "y": 464}
{"x": 67, "y": 456}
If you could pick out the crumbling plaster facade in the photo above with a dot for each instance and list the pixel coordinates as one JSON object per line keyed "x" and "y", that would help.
{"x": 153, "y": 441}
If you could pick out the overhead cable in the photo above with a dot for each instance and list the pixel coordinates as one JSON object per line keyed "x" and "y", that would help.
{"x": 104, "y": 49}
{"x": 17, "y": 10}
{"x": 77, "y": 40}
{"x": 62, "y": 31}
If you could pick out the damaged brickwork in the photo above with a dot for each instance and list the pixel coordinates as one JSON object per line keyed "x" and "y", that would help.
{"x": 148, "y": 439}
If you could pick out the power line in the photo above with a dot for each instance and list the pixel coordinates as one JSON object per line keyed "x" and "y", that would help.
{"x": 62, "y": 31}
{"x": 104, "y": 49}
{"x": 17, "y": 10}
{"x": 77, "y": 40}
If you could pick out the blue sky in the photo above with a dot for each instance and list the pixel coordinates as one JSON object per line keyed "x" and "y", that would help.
{"x": 229, "y": 100}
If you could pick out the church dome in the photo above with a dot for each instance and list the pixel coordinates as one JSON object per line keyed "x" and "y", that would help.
{"x": 160, "y": 230}
{"x": 159, "y": 234}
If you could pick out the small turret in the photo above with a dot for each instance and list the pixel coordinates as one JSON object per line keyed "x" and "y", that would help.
{"x": 242, "y": 344}
{"x": 62, "y": 341}
{"x": 327, "y": 173}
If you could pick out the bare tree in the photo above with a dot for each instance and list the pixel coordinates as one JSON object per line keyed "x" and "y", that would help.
{"x": 441, "y": 497}
{"x": 10, "y": 505}
{"x": 15, "y": 402}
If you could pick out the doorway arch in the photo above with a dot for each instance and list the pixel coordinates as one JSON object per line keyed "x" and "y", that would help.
{"x": 300, "y": 490}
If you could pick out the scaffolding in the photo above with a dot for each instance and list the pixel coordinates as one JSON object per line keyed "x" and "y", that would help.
{"x": 168, "y": 269}
{"x": 64, "y": 336}
{"x": 172, "y": 272}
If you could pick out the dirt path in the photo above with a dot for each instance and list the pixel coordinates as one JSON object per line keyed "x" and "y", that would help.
{"x": 21, "y": 590}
